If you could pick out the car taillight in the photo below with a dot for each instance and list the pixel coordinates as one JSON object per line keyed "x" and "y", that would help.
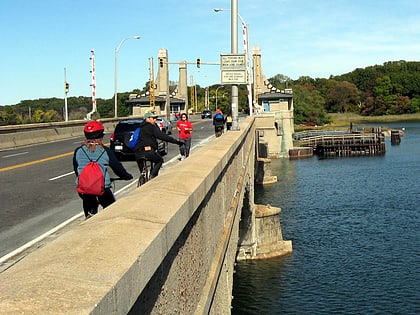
{"x": 111, "y": 138}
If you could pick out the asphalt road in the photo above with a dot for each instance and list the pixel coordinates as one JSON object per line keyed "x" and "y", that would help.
{"x": 38, "y": 191}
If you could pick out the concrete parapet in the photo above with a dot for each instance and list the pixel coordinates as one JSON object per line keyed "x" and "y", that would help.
{"x": 16, "y": 136}
{"x": 158, "y": 250}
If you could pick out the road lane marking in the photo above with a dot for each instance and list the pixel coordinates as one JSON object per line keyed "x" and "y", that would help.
{"x": 60, "y": 176}
{"x": 40, "y": 238}
{"x": 34, "y": 162}
{"x": 16, "y": 154}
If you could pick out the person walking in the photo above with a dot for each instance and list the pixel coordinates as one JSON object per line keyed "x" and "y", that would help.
{"x": 228, "y": 122}
{"x": 147, "y": 147}
{"x": 184, "y": 127}
{"x": 93, "y": 149}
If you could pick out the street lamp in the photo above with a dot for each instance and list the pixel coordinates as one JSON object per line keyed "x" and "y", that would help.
{"x": 216, "y": 94}
{"x": 247, "y": 56}
{"x": 116, "y": 73}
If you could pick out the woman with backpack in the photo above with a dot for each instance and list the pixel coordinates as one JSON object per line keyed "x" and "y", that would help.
{"x": 90, "y": 162}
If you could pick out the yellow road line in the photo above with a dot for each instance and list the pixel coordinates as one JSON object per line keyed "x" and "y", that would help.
{"x": 35, "y": 162}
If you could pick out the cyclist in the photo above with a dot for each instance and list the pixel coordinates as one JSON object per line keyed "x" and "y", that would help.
{"x": 93, "y": 149}
{"x": 147, "y": 147}
{"x": 218, "y": 122}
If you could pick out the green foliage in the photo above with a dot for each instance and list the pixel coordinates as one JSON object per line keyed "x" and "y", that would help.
{"x": 342, "y": 97}
{"x": 309, "y": 105}
{"x": 388, "y": 89}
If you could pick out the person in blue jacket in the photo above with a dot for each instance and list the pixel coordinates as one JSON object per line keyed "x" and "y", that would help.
{"x": 94, "y": 148}
{"x": 218, "y": 122}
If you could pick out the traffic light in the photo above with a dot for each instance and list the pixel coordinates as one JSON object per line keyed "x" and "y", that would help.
{"x": 161, "y": 62}
{"x": 66, "y": 86}
{"x": 198, "y": 62}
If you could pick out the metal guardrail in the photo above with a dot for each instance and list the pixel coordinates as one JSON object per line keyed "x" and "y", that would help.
{"x": 312, "y": 133}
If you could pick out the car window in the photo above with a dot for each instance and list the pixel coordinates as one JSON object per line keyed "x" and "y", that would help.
{"x": 127, "y": 126}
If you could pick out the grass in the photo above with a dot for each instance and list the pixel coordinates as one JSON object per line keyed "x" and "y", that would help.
{"x": 340, "y": 121}
{"x": 345, "y": 119}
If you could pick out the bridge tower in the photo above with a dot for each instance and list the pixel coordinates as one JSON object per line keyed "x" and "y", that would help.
{"x": 182, "y": 90}
{"x": 259, "y": 77}
{"x": 162, "y": 86}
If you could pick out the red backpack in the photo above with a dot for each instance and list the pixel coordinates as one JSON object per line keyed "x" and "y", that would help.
{"x": 91, "y": 179}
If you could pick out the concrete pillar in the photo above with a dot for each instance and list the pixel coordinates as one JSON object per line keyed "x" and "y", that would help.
{"x": 163, "y": 79}
{"x": 182, "y": 84}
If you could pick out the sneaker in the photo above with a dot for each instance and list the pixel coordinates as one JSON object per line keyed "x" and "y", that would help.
{"x": 182, "y": 158}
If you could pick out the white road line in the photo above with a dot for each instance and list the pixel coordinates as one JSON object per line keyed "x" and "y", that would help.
{"x": 16, "y": 154}
{"x": 60, "y": 176}
{"x": 40, "y": 238}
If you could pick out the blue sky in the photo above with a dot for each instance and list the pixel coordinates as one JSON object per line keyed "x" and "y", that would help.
{"x": 297, "y": 38}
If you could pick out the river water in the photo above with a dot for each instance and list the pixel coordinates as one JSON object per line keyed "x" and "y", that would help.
{"x": 355, "y": 228}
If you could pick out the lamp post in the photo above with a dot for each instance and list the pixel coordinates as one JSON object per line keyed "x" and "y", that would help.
{"x": 216, "y": 94}
{"x": 245, "y": 27}
{"x": 116, "y": 73}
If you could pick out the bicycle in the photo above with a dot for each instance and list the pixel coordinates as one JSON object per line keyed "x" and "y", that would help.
{"x": 145, "y": 169}
{"x": 113, "y": 180}
{"x": 219, "y": 130}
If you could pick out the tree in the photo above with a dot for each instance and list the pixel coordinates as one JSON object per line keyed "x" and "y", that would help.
{"x": 280, "y": 81}
{"x": 342, "y": 97}
{"x": 309, "y": 105}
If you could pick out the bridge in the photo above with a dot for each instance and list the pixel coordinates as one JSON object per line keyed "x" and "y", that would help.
{"x": 158, "y": 250}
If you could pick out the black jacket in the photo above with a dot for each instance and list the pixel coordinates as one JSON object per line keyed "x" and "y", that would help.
{"x": 149, "y": 133}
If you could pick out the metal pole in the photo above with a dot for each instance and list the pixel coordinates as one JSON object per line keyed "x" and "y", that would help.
{"x": 195, "y": 98}
{"x": 115, "y": 82}
{"x": 234, "y": 50}
{"x": 116, "y": 73}
{"x": 245, "y": 27}
{"x": 66, "y": 115}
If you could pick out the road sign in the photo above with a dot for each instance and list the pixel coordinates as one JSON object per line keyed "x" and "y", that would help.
{"x": 233, "y": 69}
{"x": 233, "y": 77}
{"x": 233, "y": 62}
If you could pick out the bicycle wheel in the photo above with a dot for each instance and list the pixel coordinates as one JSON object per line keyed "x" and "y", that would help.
{"x": 144, "y": 175}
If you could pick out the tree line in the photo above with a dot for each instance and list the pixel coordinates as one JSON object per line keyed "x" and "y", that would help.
{"x": 389, "y": 89}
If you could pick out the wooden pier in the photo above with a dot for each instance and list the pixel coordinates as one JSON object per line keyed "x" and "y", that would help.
{"x": 346, "y": 144}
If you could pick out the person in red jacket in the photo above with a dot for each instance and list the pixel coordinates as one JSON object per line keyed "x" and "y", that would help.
{"x": 185, "y": 128}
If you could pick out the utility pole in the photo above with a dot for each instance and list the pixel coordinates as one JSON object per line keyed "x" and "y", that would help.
{"x": 66, "y": 90}
{"x": 152, "y": 84}
{"x": 234, "y": 50}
